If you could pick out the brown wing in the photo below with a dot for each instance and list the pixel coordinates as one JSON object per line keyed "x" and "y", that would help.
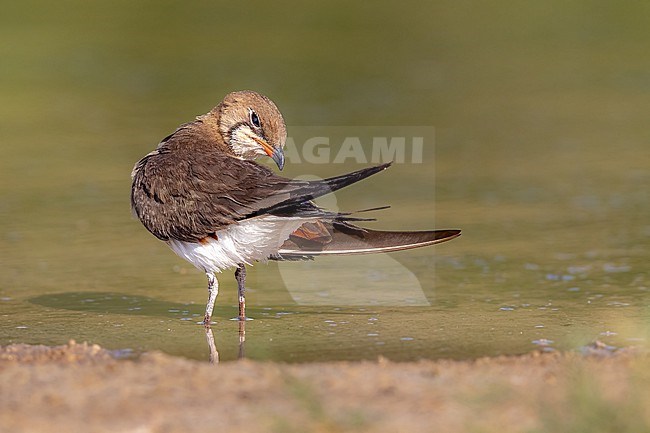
{"x": 189, "y": 199}
{"x": 185, "y": 192}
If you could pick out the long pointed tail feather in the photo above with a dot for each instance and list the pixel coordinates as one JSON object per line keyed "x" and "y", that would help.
{"x": 349, "y": 239}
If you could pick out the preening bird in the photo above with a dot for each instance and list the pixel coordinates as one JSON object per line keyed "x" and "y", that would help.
{"x": 203, "y": 194}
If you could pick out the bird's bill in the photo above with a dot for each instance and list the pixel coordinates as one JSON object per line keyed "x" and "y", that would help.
{"x": 275, "y": 153}
{"x": 278, "y": 157}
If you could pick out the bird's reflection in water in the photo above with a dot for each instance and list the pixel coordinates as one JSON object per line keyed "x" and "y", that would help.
{"x": 242, "y": 339}
{"x": 214, "y": 353}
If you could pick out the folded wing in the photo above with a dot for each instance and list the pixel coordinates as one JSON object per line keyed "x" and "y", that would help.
{"x": 193, "y": 197}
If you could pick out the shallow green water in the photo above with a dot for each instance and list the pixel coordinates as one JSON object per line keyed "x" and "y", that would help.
{"x": 541, "y": 157}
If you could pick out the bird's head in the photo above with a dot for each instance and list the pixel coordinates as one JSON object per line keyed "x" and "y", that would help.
{"x": 251, "y": 126}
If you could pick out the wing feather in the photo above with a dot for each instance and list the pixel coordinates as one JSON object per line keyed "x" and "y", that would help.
{"x": 185, "y": 192}
{"x": 348, "y": 239}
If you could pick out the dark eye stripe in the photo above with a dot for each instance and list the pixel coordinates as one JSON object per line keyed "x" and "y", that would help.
{"x": 255, "y": 120}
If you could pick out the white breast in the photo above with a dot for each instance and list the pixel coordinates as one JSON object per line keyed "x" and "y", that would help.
{"x": 245, "y": 242}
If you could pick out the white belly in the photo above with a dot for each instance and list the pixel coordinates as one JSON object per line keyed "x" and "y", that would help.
{"x": 245, "y": 242}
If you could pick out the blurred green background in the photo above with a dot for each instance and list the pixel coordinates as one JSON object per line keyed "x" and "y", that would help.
{"x": 541, "y": 157}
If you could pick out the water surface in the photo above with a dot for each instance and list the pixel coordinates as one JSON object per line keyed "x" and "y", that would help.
{"x": 540, "y": 155}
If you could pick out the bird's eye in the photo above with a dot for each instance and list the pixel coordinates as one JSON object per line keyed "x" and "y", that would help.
{"x": 255, "y": 120}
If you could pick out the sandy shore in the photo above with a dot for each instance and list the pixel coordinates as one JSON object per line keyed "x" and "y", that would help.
{"x": 79, "y": 387}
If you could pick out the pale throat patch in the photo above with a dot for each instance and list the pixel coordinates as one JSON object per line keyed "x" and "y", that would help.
{"x": 243, "y": 143}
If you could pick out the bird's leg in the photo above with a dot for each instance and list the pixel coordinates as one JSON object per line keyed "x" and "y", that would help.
{"x": 240, "y": 276}
{"x": 213, "y": 290}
